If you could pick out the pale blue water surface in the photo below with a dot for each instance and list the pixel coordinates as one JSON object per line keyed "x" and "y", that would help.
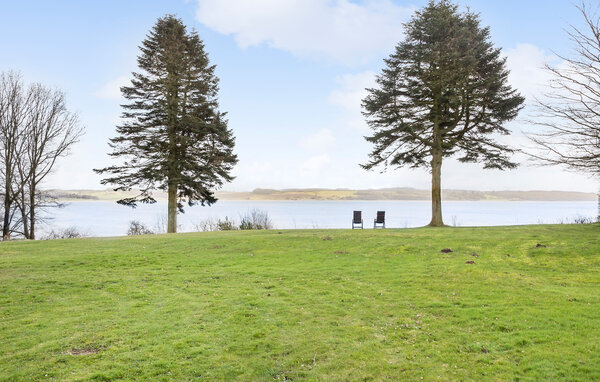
{"x": 103, "y": 218}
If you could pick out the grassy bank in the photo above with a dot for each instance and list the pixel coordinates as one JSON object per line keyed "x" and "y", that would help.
{"x": 305, "y": 305}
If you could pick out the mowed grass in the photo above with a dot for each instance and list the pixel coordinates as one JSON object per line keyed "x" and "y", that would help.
{"x": 305, "y": 305}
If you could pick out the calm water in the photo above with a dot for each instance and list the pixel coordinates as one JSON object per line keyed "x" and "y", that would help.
{"x": 100, "y": 218}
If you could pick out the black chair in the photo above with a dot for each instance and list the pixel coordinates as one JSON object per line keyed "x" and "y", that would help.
{"x": 357, "y": 219}
{"x": 380, "y": 220}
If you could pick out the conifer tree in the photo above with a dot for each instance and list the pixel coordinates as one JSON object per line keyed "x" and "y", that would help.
{"x": 442, "y": 92}
{"x": 173, "y": 136}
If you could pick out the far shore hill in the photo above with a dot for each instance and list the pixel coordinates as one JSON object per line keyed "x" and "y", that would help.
{"x": 402, "y": 193}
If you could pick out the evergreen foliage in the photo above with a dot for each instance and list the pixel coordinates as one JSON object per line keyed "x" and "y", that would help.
{"x": 173, "y": 138}
{"x": 442, "y": 92}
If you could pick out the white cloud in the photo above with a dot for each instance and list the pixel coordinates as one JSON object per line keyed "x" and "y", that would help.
{"x": 527, "y": 74}
{"x": 112, "y": 89}
{"x": 352, "y": 90}
{"x": 254, "y": 173}
{"x": 349, "y": 95}
{"x": 337, "y": 30}
{"x": 312, "y": 167}
{"x": 319, "y": 141}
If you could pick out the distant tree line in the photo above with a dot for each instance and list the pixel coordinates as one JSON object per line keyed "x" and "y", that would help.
{"x": 36, "y": 129}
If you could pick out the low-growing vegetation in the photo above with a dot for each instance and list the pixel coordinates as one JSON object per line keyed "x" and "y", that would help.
{"x": 212, "y": 224}
{"x": 252, "y": 220}
{"x": 498, "y": 303}
{"x": 256, "y": 219}
{"x": 65, "y": 233}
{"x": 138, "y": 228}
{"x": 580, "y": 220}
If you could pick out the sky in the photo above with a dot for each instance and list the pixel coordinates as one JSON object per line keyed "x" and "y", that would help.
{"x": 292, "y": 76}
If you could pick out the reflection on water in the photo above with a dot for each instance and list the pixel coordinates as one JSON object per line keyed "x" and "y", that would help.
{"x": 102, "y": 218}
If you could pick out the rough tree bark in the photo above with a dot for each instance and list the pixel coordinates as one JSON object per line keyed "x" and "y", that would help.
{"x": 436, "y": 189}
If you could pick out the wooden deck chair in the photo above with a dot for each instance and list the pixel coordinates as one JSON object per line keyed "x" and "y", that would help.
{"x": 357, "y": 219}
{"x": 380, "y": 220}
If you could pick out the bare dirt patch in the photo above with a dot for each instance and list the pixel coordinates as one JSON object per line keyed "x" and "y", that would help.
{"x": 88, "y": 350}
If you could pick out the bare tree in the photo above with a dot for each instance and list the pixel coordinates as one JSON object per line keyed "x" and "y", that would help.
{"x": 13, "y": 117}
{"x": 570, "y": 111}
{"x": 51, "y": 131}
{"x": 35, "y": 130}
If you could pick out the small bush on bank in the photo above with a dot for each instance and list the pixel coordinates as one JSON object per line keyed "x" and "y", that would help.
{"x": 256, "y": 219}
{"x": 138, "y": 228}
{"x": 65, "y": 233}
{"x": 578, "y": 220}
{"x": 226, "y": 225}
{"x": 584, "y": 220}
{"x": 211, "y": 224}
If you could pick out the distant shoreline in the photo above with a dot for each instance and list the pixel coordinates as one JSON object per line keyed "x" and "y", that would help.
{"x": 388, "y": 194}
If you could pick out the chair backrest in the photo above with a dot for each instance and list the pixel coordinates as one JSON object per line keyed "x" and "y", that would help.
{"x": 357, "y": 217}
{"x": 380, "y": 217}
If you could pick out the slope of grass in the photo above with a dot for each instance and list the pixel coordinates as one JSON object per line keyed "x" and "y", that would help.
{"x": 305, "y": 305}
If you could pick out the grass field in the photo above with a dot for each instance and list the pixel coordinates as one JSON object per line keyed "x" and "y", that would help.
{"x": 305, "y": 305}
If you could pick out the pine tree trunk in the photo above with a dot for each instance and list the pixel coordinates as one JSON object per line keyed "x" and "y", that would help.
{"x": 172, "y": 209}
{"x": 436, "y": 189}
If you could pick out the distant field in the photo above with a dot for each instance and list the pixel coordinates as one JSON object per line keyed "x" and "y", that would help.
{"x": 507, "y": 303}
{"x": 342, "y": 194}
{"x": 405, "y": 194}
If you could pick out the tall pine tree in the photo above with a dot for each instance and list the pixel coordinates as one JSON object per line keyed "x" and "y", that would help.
{"x": 173, "y": 136}
{"x": 443, "y": 91}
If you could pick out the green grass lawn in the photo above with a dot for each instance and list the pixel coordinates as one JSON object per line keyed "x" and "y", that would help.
{"x": 305, "y": 305}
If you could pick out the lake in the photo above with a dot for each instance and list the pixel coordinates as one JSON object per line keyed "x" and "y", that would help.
{"x": 104, "y": 218}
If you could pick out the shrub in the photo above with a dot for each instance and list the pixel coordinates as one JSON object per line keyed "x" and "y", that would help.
{"x": 226, "y": 225}
{"x": 256, "y": 219}
{"x": 65, "y": 233}
{"x": 212, "y": 224}
{"x": 206, "y": 225}
{"x": 138, "y": 228}
{"x": 577, "y": 220}
{"x": 583, "y": 220}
